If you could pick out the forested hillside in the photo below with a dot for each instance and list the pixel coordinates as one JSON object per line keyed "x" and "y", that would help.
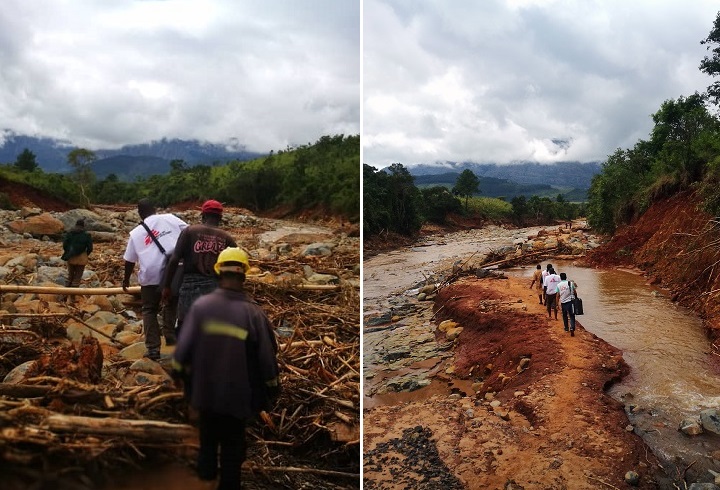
{"x": 323, "y": 175}
{"x": 392, "y": 202}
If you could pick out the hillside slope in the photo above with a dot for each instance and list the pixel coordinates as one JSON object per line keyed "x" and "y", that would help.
{"x": 677, "y": 244}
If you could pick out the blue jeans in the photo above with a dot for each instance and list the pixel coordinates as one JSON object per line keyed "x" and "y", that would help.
{"x": 568, "y": 310}
{"x": 193, "y": 286}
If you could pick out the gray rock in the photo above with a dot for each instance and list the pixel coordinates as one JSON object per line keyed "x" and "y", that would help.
{"x": 690, "y": 427}
{"x": 407, "y": 383}
{"x": 379, "y": 320}
{"x": 106, "y": 236}
{"x": 134, "y": 351}
{"x": 319, "y": 249}
{"x": 632, "y": 478}
{"x": 93, "y": 221}
{"x": 397, "y": 353}
{"x": 703, "y": 486}
{"x": 710, "y": 420}
{"x": 47, "y": 274}
{"x": 20, "y": 373}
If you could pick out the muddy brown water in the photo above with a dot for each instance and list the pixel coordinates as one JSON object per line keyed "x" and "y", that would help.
{"x": 669, "y": 357}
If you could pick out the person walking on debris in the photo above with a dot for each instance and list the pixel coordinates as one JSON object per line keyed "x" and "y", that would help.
{"x": 551, "y": 282}
{"x": 227, "y": 350}
{"x": 198, "y": 247}
{"x": 537, "y": 279}
{"x": 566, "y": 295}
{"x": 149, "y": 245}
{"x": 77, "y": 246}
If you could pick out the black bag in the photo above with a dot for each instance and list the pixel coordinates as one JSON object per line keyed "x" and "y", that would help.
{"x": 177, "y": 279}
{"x": 578, "y": 306}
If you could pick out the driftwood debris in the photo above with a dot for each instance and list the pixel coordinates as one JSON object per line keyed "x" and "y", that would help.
{"x": 54, "y": 420}
{"x": 14, "y": 288}
{"x": 152, "y": 430}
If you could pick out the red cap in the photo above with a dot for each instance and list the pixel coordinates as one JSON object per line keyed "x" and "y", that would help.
{"x": 212, "y": 207}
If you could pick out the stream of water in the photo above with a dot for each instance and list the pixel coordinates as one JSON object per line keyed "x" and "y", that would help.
{"x": 671, "y": 377}
{"x": 664, "y": 344}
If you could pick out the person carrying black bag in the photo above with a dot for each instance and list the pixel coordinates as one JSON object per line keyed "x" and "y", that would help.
{"x": 566, "y": 294}
{"x": 149, "y": 244}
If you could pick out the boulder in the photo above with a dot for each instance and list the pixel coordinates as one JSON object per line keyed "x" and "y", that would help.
{"x": 21, "y": 373}
{"x": 134, "y": 351}
{"x": 446, "y": 325}
{"x": 93, "y": 221}
{"x": 690, "y": 427}
{"x": 453, "y": 333}
{"x": 319, "y": 249}
{"x": 710, "y": 420}
{"x": 43, "y": 224}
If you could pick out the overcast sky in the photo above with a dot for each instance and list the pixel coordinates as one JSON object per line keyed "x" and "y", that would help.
{"x": 509, "y": 80}
{"x": 104, "y": 73}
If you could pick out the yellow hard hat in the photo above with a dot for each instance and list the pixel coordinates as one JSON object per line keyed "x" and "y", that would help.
{"x": 229, "y": 258}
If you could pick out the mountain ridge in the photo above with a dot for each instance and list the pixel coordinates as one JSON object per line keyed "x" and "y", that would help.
{"x": 127, "y": 162}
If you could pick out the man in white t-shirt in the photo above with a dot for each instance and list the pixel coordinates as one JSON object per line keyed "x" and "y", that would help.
{"x": 551, "y": 281}
{"x": 566, "y": 295}
{"x": 144, "y": 250}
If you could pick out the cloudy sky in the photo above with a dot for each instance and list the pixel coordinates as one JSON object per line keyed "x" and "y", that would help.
{"x": 102, "y": 73}
{"x": 509, "y": 80}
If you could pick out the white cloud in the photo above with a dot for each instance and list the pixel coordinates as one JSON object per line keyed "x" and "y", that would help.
{"x": 104, "y": 74}
{"x": 500, "y": 80}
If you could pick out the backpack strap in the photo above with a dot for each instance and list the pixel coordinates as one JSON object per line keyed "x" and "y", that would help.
{"x": 154, "y": 238}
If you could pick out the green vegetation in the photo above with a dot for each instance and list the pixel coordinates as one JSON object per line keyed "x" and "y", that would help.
{"x": 392, "y": 202}
{"x": 467, "y": 185}
{"x": 681, "y": 153}
{"x": 325, "y": 175}
{"x": 26, "y": 161}
{"x": 490, "y": 208}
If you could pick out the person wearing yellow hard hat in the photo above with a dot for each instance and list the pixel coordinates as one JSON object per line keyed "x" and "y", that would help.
{"x": 198, "y": 247}
{"x": 227, "y": 352}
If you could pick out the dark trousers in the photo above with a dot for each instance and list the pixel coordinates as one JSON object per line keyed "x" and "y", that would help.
{"x": 226, "y": 434}
{"x": 568, "y": 310}
{"x": 75, "y": 273}
{"x": 151, "y": 296}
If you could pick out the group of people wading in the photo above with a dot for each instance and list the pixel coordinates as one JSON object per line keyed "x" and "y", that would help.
{"x": 556, "y": 290}
{"x": 226, "y": 352}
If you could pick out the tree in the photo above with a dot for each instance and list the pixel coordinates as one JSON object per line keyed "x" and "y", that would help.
{"x": 81, "y": 160}
{"x": 466, "y": 185}
{"x": 710, "y": 65}
{"x": 26, "y": 161}
{"x": 437, "y": 202}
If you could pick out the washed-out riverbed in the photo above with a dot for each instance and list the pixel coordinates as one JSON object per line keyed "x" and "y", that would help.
{"x": 663, "y": 344}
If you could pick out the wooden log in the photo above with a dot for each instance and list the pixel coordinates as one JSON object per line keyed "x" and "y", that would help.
{"x": 521, "y": 257}
{"x": 139, "y": 430}
{"x": 14, "y": 288}
{"x": 24, "y": 391}
{"x": 70, "y": 395}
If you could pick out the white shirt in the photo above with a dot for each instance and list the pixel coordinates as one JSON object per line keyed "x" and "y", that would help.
{"x": 142, "y": 250}
{"x": 566, "y": 294}
{"x": 551, "y": 282}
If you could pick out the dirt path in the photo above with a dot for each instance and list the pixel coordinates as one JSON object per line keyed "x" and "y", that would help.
{"x": 540, "y": 423}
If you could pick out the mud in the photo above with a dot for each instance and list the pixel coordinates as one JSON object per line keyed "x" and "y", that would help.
{"x": 543, "y": 422}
